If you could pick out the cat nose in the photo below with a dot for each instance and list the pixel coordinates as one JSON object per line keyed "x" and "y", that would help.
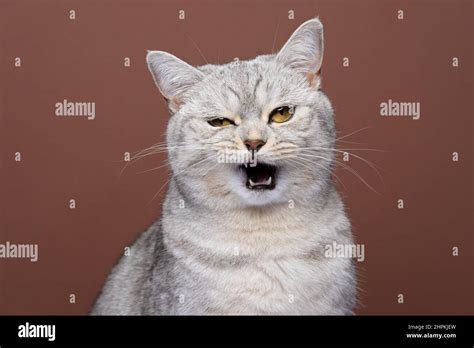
{"x": 254, "y": 145}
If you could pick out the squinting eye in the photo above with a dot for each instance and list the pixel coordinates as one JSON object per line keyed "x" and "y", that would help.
{"x": 220, "y": 122}
{"x": 282, "y": 114}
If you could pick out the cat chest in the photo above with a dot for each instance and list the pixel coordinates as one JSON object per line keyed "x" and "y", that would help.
{"x": 266, "y": 287}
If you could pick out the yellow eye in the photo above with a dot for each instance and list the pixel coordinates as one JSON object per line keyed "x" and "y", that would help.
{"x": 282, "y": 114}
{"x": 220, "y": 122}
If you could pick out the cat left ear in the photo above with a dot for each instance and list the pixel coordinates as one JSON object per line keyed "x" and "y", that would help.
{"x": 303, "y": 51}
{"x": 172, "y": 76}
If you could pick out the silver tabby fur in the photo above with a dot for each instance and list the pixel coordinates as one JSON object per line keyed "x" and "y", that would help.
{"x": 220, "y": 248}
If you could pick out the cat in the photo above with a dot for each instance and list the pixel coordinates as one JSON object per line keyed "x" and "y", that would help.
{"x": 237, "y": 238}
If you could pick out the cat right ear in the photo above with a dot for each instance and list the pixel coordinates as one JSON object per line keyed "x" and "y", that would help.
{"x": 172, "y": 76}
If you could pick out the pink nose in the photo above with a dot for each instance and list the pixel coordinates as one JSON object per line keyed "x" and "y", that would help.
{"x": 254, "y": 145}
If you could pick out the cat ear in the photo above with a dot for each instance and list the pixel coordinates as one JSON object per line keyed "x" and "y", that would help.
{"x": 303, "y": 51}
{"x": 172, "y": 76}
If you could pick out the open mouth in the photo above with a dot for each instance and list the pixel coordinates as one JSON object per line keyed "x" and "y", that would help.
{"x": 259, "y": 177}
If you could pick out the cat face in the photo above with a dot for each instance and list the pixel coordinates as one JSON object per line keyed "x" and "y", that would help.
{"x": 249, "y": 133}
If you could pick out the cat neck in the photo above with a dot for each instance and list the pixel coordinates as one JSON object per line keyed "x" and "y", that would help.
{"x": 273, "y": 231}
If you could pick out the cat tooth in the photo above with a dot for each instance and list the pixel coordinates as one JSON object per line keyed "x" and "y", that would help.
{"x": 251, "y": 182}
{"x": 268, "y": 181}
{"x": 245, "y": 165}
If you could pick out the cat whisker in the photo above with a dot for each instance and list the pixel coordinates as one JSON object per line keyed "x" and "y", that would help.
{"x": 353, "y": 133}
{"x": 276, "y": 34}
{"x": 155, "y": 168}
{"x": 354, "y": 172}
{"x": 297, "y": 160}
{"x": 197, "y": 47}
{"x": 340, "y": 148}
{"x": 351, "y": 170}
{"x": 339, "y": 139}
{"x": 176, "y": 174}
{"x": 351, "y": 142}
{"x": 344, "y": 166}
{"x": 164, "y": 148}
{"x": 153, "y": 150}
{"x": 370, "y": 164}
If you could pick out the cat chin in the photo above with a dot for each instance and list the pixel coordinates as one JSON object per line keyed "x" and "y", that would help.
{"x": 254, "y": 199}
{"x": 249, "y": 198}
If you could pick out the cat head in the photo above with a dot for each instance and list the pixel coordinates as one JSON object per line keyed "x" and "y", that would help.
{"x": 249, "y": 133}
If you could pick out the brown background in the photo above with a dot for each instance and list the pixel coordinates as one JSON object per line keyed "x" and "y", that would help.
{"x": 408, "y": 251}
